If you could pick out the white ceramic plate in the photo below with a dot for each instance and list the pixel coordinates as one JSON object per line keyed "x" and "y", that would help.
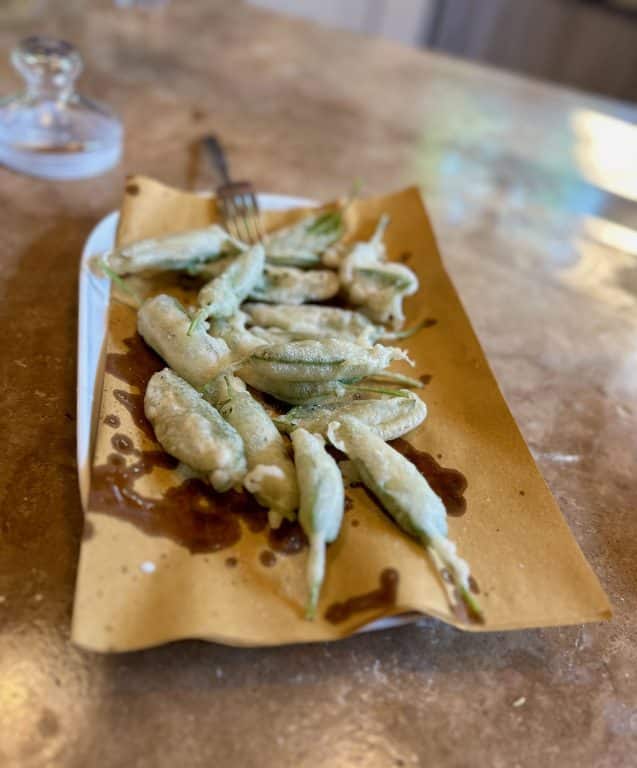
{"x": 93, "y": 312}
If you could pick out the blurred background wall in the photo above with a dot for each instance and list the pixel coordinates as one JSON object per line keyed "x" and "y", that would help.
{"x": 588, "y": 44}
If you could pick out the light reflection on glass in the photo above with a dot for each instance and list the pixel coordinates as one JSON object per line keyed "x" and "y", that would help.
{"x": 606, "y": 152}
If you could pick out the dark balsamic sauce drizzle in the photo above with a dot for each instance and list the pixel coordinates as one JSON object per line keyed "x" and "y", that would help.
{"x": 134, "y": 404}
{"x": 449, "y": 484}
{"x": 267, "y": 558}
{"x": 135, "y": 367}
{"x": 123, "y": 444}
{"x": 464, "y": 612}
{"x": 288, "y": 538}
{"x": 191, "y": 514}
{"x": 381, "y": 598}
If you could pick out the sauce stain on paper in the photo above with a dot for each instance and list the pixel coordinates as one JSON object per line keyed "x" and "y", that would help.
{"x": 136, "y": 365}
{"x": 381, "y": 598}
{"x": 192, "y": 513}
{"x": 134, "y": 404}
{"x": 449, "y": 484}
{"x": 464, "y": 612}
{"x": 123, "y": 444}
{"x": 267, "y": 558}
{"x": 288, "y": 538}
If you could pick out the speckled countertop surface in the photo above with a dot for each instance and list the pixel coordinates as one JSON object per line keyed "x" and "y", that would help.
{"x": 532, "y": 193}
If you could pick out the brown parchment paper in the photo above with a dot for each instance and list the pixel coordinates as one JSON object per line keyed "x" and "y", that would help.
{"x": 135, "y": 590}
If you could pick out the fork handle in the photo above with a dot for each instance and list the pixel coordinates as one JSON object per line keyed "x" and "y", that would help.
{"x": 218, "y": 156}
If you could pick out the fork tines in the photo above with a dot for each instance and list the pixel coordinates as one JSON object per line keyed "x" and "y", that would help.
{"x": 240, "y": 211}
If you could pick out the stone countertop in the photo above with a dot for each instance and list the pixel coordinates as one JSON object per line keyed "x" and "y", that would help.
{"x": 532, "y": 193}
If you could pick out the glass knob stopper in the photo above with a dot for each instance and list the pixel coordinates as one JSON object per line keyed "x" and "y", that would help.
{"x": 49, "y": 130}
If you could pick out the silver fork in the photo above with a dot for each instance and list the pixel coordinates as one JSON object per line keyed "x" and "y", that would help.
{"x": 237, "y": 199}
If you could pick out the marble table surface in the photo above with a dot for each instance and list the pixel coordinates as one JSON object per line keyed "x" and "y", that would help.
{"x": 532, "y": 192}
